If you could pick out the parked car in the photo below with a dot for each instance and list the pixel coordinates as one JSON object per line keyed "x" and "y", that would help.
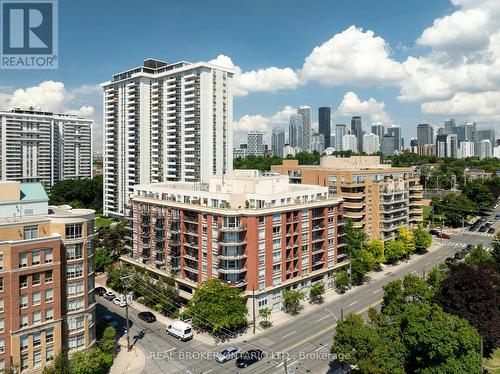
{"x": 250, "y": 357}
{"x": 450, "y": 259}
{"x": 109, "y": 295}
{"x": 227, "y": 354}
{"x": 180, "y": 330}
{"x": 120, "y": 301}
{"x": 109, "y": 320}
{"x": 469, "y": 248}
{"x": 147, "y": 316}
{"x": 491, "y": 230}
{"x": 482, "y": 228}
{"x": 434, "y": 231}
{"x": 497, "y": 217}
{"x": 460, "y": 255}
{"x": 443, "y": 235}
{"x": 100, "y": 291}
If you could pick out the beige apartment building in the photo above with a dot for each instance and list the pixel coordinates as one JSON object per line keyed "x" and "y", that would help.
{"x": 378, "y": 198}
{"x": 46, "y": 278}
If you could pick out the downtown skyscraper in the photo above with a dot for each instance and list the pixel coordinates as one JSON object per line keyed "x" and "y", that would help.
{"x": 296, "y": 131}
{"x": 278, "y": 141}
{"x": 305, "y": 112}
{"x": 165, "y": 122}
{"x": 324, "y": 124}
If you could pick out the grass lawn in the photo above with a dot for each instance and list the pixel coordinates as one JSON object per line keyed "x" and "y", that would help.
{"x": 102, "y": 222}
{"x": 493, "y": 363}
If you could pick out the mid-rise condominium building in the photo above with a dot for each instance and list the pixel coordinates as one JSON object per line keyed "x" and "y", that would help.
{"x": 296, "y": 131}
{"x": 305, "y": 112}
{"x": 278, "y": 141}
{"x": 371, "y": 144}
{"x": 251, "y": 230}
{"x": 350, "y": 143}
{"x": 45, "y": 147}
{"x": 318, "y": 143}
{"x": 165, "y": 122}
{"x": 340, "y": 131}
{"x": 47, "y": 302}
{"x": 377, "y": 197}
{"x": 255, "y": 143}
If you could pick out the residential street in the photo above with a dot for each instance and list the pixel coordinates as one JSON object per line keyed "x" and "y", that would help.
{"x": 306, "y": 338}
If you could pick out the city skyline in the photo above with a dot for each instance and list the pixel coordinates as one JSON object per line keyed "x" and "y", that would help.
{"x": 275, "y": 81}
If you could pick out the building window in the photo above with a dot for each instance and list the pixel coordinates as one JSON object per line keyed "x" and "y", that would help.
{"x": 2, "y": 325}
{"x": 35, "y": 279}
{"x": 49, "y": 314}
{"x": 49, "y": 295}
{"x": 48, "y": 255}
{"x": 24, "y": 342}
{"x": 49, "y": 336}
{"x": 1, "y": 284}
{"x": 1, "y": 261}
{"x": 49, "y": 354}
{"x": 37, "y": 298}
{"x": 74, "y": 251}
{"x": 23, "y": 260}
{"x": 48, "y": 276}
{"x": 23, "y": 281}
{"x": 1, "y": 305}
{"x": 30, "y": 232}
{"x": 75, "y": 324}
{"x": 2, "y": 346}
{"x": 37, "y": 317}
{"x": 24, "y": 320}
{"x": 74, "y": 231}
{"x": 24, "y": 362}
{"x": 35, "y": 258}
{"x": 74, "y": 271}
{"x": 75, "y": 288}
{"x": 37, "y": 339}
{"x": 75, "y": 342}
{"x": 37, "y": 358}
{"x": 24, "y": 301}
{"x": 75, "y": 304}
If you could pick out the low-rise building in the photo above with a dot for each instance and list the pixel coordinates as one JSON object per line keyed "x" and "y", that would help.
{"x": 377, "y": 197}
{"x": 47, "y": 300}
{"x": 254, "y": 231}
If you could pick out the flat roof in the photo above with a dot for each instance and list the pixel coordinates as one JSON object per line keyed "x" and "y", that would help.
{"x": 33, "y": 191}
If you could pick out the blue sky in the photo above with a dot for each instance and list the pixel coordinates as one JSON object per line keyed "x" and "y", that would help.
{"x": 430, "y": 56}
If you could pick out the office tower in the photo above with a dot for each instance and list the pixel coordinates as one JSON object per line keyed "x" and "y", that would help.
{"x": 305, "y": 112}
{"x": 255, "y": 143}
{"x": 165, "y": 122}
{"x": 484, "y": 149}
{"x": 425, "y": 134}
{"x": 488, "y": 134}
{"x": 378, "y": 198}
{"x": 441, "y": 131}
{"x": 378, "y": 129}
{"x": 47, "y": 301}
{"x": 449, "y": 126}
{"x": 467, "y": 149}
{"x": 395, "y": 130}
{"x": 371, "y": 144}
{"x": 470, "y": 131}
{"x": 333, "y": 142}
{"x": 447, "y": 145}
{"x": 453, "y": 144}
{"x": 413, "y": 142}
{"x": 340, "y": 131}
{"x": 388, "y": 145}
{"x": 236, "y": 229}
{"x": 44, "y": 147}
{"x": 350, "y": 143}
{"x": 296, "y": 131}
{"x": 278, "y": 141}
{"x": 318, "y": 143}
{"x": 324, "y": 124}
{"x": 357, "y": 130}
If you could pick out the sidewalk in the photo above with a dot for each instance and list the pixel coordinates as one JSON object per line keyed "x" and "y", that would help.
{"x": 132, "y": 362}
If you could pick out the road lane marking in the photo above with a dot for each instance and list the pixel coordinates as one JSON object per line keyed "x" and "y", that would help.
{"x": 322, "y": 318}
{"x": 319, "y": 348}
{"x": 377, "y": 291}
{"x": 171, "y": 349}
{"x": 353, "y": 303}
{"x": 287, "y": 335}
{"x": 325, "y": 330}
{"x": 208, "y": 371}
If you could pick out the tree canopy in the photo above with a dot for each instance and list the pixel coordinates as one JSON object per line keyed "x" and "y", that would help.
{"x": 81, "y": 193}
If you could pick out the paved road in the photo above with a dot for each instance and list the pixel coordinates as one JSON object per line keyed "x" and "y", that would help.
{"x": 306, "y": 339}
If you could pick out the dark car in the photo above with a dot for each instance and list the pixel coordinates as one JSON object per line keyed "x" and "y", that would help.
{"x": 482, "y": 228}
{"x": 147, "y": 316}
{"x": 491, "y": 230}
{"x": 450, "y": 259}
{"x": 469, "y": 248}
{"x": 497, "y": 217}
{"x": 109, "y": 296}
{"x": 460, "y": 255}
{"x": 100, "y": 291}
{"x": 434, "y": 232}
{"x": 248, "y": 358}
{"x": 443, "y": 235}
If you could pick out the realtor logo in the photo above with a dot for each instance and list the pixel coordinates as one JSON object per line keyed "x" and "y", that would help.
{"x": 29, "y": 34}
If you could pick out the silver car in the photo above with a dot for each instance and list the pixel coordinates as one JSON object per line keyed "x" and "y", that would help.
{"x": 227, "y": 354}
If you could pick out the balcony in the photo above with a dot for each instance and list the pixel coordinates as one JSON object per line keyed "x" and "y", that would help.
{"x": 190, "y": 232}
{"x": 190, "y": 269}
{"x": 232, "y": 270}
{"x": 237, "y": 228}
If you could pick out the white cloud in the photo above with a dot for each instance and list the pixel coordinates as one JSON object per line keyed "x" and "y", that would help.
{"x": 352, "y": 57}
{"x": 351, "y": 105}
{"x": 269, "y": 79}
{"x": 462, "y": 30}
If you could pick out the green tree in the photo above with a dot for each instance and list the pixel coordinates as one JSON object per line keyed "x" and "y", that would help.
{"x": 437, "y": 275}
{"x": 265, "y": 313}
{"x": 341, "y": 279}
{"x": 376, "y": 248}
{"x": 61, "y": 365}
{"x": 102, "y": 259}
{"x": 218, "y": 307}
{"x": 398, "y": 293}
{"x": 454, "y": 208}
{"x": 423, "y": 239}
{"x": 496, "y": 250}
{"x": 86, "y": 193}
{"x": 316, "y": 292}
{"x": 291, "y": 301}
{"x": 108, "y": 342}
{"x": 478, "y": 255}
{"x": 394, "y": 250}
{"x": 405, "y": 236}
{"x": 479, "y": 193}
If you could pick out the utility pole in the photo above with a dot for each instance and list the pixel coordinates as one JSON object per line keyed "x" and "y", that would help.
{"x": 285, "y": 357}
{"x": 482, "y": 368}
{"x": 125, "y": 279}
{"x": 253, "y": 302}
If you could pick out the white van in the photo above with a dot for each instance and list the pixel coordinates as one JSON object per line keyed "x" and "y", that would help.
{"x": 180, "y": 330}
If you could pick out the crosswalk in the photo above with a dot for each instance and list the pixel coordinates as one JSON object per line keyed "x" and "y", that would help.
{"x": 462, "y": 245}
{"x": 476, "y": 233}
